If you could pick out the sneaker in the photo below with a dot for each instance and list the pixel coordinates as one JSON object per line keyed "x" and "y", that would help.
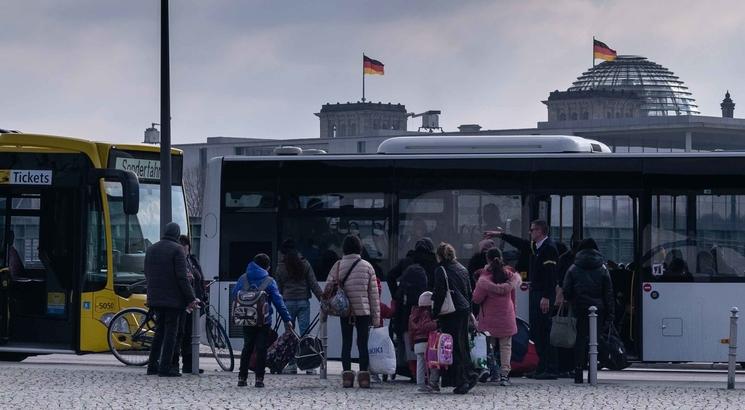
{"x": 188, "y": 370}
{"x": 259, "y": 383}
{"x": 425, "y": 388}
{"x": 375, "y": 378}
{"x": 484, "y": 376}
{"x": 172, "y": 373}
{"x": 434, "y": 388}
{"x": 504, "y": 381}
{"x": 311, "y": 372}
{"x": 151, "y": 372}
{"x": 242, "y": 382}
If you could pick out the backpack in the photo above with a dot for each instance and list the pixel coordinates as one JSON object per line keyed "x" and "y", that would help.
{"x": 439, "y": 350}
{"x": 334, "y": 300}
{"x": 251, "y": 304}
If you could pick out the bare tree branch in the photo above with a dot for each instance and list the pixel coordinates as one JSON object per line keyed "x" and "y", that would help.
{"x": 193, "y": 188}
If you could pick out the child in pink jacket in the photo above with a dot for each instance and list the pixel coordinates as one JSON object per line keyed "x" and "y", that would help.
{"x": 495, "y": 292}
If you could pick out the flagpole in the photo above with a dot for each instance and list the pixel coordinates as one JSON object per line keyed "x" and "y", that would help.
{"x": 363, "y": 77}
{"x": 593, "y": 51}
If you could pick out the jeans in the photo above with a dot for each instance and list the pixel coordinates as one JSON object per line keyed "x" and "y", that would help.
{"x": 299, "y": 310}
{"x": 362, "y": 323}
{"x": 540, "y": 332}
{"x": 421, "y": 362}
{"x": 164, "y": 342}
{"x": 254, "y": 340}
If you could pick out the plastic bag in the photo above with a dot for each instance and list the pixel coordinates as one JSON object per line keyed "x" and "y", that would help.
{"x": 381, "y": 351}
{"x": 478, "y": 351}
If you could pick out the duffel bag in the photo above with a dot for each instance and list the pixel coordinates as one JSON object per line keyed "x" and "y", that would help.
{"x": 309, "y": 353}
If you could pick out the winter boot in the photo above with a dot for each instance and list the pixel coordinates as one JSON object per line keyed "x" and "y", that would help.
{"x": 347, "y": 379}
{"x": 363, "y": 380}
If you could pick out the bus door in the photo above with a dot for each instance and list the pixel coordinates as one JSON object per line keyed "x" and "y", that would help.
{"x": 612, "y": 221}
{"x": 40, "y": 236}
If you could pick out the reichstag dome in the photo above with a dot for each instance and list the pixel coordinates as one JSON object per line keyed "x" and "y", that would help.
{"x": 627, "y": 87}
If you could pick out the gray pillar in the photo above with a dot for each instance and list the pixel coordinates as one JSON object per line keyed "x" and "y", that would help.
{"x": 325, "y": 341}
{"x": 732, "y": 349}
{"x": 592, "y": 374}
{"x": 689, "y": 141}
{"x": 195, "y": 341}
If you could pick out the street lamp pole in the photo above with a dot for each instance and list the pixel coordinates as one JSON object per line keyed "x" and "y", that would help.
{"x": 165, "y": 121}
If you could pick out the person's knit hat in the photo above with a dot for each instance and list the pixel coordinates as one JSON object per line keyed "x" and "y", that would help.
{"x": 425, "y": 299}
{"x": 425, "y": 244}
{"x": 486, "y": 244}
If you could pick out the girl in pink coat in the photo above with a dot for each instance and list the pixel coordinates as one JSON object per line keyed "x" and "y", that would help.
{"x": 495, "y": 292}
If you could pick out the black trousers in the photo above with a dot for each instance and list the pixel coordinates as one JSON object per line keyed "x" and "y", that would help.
{"x": 164, "y": 342}
{"x": 254, "y": 340}
{"x": 183, "y": 342}
{"x": 583, "y": 335}
{"x": 362, "y": 324}
{"x": 456, "y": 324}
{"x": 540, "y": 332}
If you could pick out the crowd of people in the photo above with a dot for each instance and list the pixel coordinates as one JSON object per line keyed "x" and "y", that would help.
{"x": 431, "y": 291}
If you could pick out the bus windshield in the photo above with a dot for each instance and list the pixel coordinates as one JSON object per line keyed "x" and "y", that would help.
{"x": 132, "y": 234}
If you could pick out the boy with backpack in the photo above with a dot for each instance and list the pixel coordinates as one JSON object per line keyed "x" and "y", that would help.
{"x": 253, "y": 297}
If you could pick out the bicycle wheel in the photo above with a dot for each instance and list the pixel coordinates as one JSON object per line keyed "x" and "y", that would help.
{"x": 130, "y": 336}
{"x": 219, "y": 342}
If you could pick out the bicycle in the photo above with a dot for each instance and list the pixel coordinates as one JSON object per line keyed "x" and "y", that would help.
{"x": 131, "y": 332}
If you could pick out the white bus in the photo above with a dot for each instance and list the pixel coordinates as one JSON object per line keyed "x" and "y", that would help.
{"x": 672, "y": 226}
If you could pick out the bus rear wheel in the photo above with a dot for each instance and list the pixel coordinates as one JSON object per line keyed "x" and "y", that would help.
{"x": 12, "y": 357}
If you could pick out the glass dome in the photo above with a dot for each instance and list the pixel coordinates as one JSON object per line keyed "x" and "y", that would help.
{"x": 662, "y": 92}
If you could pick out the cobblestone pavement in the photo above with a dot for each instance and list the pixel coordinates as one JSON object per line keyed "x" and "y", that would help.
{"x": 82, "y": 382}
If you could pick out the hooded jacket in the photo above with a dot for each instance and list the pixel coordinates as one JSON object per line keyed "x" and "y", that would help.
{"x": 255, "y": 275}
{"x": 588, "y": 283}
{"x": 497, "y": 300}
{"x": 421, "y": 323}
{"x": 165, "y": 272}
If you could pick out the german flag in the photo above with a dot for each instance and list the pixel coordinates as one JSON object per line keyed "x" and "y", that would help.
{"x": 602, "y": 51}
{"x": 371, "y": 67}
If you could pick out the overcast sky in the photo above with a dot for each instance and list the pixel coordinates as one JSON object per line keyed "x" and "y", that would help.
{"x": 90, "y": 68}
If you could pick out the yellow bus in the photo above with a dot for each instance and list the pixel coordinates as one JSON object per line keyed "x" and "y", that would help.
{"x": 77, "y": 217}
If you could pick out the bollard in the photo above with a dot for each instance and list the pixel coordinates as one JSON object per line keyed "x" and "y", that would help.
{"x": 592, "y": 373}
{"x": 732, "y": 348}
{"x": 324, "y": 341}
{"x": 195, "y": 333}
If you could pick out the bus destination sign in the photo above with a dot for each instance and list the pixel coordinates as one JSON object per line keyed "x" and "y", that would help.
{"x": 143, "y": 168}
{"x": 25, "y": 177}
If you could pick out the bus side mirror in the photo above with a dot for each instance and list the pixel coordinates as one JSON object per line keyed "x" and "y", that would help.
{"x": 130, "y": 187}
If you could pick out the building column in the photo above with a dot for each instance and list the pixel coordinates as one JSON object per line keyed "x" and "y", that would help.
{"x": 689, "y": 141}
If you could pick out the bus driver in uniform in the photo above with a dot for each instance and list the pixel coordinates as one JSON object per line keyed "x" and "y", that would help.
{"x": 542, "y": 275}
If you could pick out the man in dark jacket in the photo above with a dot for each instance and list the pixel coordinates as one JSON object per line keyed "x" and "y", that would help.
{"x": 588, "y": 283}
{"x": 543, "y": 281}
{"x": 168, "y": 294}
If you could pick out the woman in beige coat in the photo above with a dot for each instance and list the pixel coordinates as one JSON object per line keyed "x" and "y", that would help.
{"x": 361, "y": 288}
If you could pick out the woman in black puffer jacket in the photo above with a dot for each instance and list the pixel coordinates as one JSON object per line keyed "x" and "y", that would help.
{"x": 587, "y": 283}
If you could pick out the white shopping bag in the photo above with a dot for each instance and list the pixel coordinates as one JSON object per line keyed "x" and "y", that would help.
{"x": 478, "y": 351}
{"x": 381, "y": 351}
